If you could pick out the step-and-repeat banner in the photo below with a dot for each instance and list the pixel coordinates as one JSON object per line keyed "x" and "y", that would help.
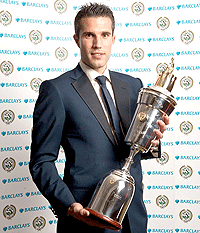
{"x": 36, "y": 43}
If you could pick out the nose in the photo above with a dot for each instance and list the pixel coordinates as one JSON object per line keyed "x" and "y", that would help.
{"x": 97, "y": 43}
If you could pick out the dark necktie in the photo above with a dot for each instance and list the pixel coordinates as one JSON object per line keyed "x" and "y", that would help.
{"x": 110, "y": 107}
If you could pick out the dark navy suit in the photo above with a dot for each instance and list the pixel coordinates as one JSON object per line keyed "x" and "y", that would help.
{"x": 68, "y": 113}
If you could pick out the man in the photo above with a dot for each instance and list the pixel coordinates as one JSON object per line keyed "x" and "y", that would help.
{"x": 71, "y": 111}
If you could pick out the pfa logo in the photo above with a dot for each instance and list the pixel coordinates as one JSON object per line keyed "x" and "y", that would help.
{"x": 186, "y": 127}
{"x": 9, "y": 211}
{"x": 7, "y": 116}
{"x": 163, "y": 23}
{"x": 163, "y": 159}
{"x": 161, "y": 67}
{"x": 60, "y": 6}
{"x": 187, "y": 36}
{"x": 8, "y": 164}
{"x": 5, "y": 18}
{"x": 6, "y": 68}
{"x": 35, "y": 36}
{"x": 162, "y": 201}
{"x": 35, "y": 84}
{"x": 61, "y": 53}
{"x": 186, "y": 215}
{"x": 186, "y": 82}
{"x": 137, "y": 8}
{"x": 137, "y": 54}
{"x": 39, "y": 223}
{"x": 186, "y": 171}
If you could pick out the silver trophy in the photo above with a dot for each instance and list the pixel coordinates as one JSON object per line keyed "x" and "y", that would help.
{"x": 114, "y": 194}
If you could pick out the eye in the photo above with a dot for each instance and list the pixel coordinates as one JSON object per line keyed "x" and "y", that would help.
{"x": 88, "y": 35}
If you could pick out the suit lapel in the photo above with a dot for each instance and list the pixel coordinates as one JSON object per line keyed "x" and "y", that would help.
{"x": 87, "y": 93}
{"x": 122, "y": 96}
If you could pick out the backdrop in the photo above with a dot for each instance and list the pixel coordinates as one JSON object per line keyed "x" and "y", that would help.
{"x": 36, "y": 43}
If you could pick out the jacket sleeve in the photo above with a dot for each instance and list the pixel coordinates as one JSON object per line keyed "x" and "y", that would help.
{"x": 48, "y": 125}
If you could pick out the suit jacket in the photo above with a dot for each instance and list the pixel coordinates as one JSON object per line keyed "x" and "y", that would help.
{"x": 68, "y": 113}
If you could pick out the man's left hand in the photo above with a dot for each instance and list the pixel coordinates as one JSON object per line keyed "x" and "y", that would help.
{"x": 159, "y": 132}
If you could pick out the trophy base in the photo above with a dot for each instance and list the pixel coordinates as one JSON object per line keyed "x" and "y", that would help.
{"x": 102, "y": 221}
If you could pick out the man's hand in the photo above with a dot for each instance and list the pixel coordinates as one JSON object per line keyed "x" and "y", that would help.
{"x": 159, "y": 132}
{"x": 76, "y": 210}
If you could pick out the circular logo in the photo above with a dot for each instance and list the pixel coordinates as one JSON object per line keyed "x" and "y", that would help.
{"x": 60, "y": 6}
{"x": 186, "y": 171}
{"x": 8, "y": 164}
{"x": 61, "y": 53}
{"x": 137, "y": 8}
{"x": 137, "y": 54}
{"x": 186, "y": 127}
{"x": 9, "y": 211}
{"x": 161, "y": 67}
{"x": 163, "y": 159}
{"x": 186, "y": 215}
{"x": 35, "y": 84}
{"x": 5, "y": 18}
{"x": 39, "y": 223}
{"x": 6, "y": 67}
{"x": 186, "y": 82}
{"x": 163, "y": 23}
{"x": 187, "y": 36}
{"x": 142, "y": 116}
{"x": 162, "y": 201}
{"x": 7, "y": 116}
{"x": 35, "y": 36}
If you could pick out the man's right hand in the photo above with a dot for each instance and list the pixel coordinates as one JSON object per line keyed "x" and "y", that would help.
{"x": 76, "y": 210}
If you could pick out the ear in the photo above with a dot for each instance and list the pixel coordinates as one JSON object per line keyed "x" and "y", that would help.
{"x": 76, "y": 40}
{"x": 113, "y": 38}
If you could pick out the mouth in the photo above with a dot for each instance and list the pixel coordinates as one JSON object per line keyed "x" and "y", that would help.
{"x": 97, "y": 54}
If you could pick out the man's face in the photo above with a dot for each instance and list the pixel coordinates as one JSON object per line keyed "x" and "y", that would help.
{"x": 95, "y": 42}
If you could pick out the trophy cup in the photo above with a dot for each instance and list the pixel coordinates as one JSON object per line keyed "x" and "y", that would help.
{"x": 114, "y": 194}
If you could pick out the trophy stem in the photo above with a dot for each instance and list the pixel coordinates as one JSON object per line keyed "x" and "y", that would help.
{"x": 129, "y": 160}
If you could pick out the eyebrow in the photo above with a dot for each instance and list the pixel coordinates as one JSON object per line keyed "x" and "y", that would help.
{"x": 104, "y": 32}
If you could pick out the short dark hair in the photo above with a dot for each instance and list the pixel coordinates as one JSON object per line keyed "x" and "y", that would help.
{"x": 93, "y": 10}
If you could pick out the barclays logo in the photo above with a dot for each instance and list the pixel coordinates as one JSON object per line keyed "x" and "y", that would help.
{"x": 20, "y": 117}
{"x": 191, "y": 53}
{"x": 15, "y": 133}
{"x": 186, "y": 6}
{"x": 14, "y": 36}
{"x": 32, "y": 209}
{"x": 34, "y": 21}
{"x": 18, "y": 226}
{"x": 16, "y": 85}
{"x": 30, "y": 101}
{"x": 33, "y": 4}
{"x": 11, "y": 149}
{"x": 58, "y": 69}
{"x": 131, "y": 39}
{"x": 23, "y": 163}
{"x": 160, "y": 187}
{"x": 160, "y": 173}
{"x": 193, "y": 98}
{"x": 162, "y": 8}
{"x": 11, "y": 196}
{"x": 30, "y": 69}
{"x": 10, "y": 101}
{"x": 9, "y": 52}
{"x": 160, "y": 54}
{"x": 160, "y": 216}
{"x": 15, "y": 180}
{"x": 161, "y": 39}
{"x": 137, "y": 70}
{"x": 193, "y": 21}
{"x": 160, "y": 230}
{"x": 191, "y": 68}
{"x": 36, "y": 53}
{"x": 188, "y": 230}
{"x": 61, "y": 23}
{"x": 188, "y": 113}
{"x": 192, "y": 202}
{"x": 58, "y": 38}
{"x": 187, "y": 157}
{"x": 141, "y": 24}
{"x": 119, "y": 8}
{"x": 187, "y": 143}
{"x": 31, "y": 194}
{"x": 10, "y": 2}
{"x": 188, "y": 187}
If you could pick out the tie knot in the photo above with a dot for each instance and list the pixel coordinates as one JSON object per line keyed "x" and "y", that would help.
{"x": 101, "y": 80}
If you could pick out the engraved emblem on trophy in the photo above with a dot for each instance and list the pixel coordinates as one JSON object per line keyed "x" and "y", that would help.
{"x": 114, "y": 194}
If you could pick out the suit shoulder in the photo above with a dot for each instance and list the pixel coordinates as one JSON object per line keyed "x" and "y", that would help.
{"x": 127, "y": 78}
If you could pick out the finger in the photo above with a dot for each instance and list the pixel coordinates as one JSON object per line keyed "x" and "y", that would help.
{"x": 166, "y": 119}
{"x": 162, "y": 126}
{"x": 158, "y": 134}
{"x": 155, "y": 142}
{"x": 84, "y": 212}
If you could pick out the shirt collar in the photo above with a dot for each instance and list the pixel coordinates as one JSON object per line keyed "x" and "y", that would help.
{"x": 91, "y": 73}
